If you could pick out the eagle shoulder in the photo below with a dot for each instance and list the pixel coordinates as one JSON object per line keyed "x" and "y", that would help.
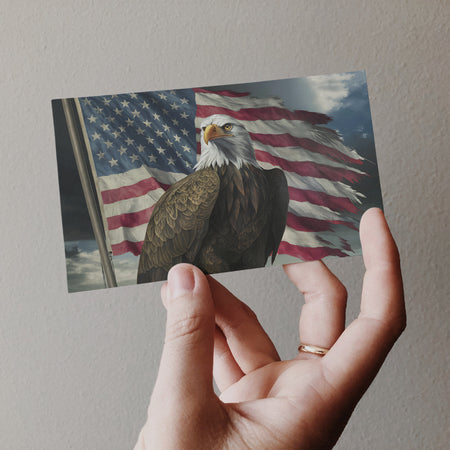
{"x": 178, "y": 224}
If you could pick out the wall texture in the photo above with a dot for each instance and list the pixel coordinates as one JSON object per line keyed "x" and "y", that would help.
{"x": 77, "y": 370}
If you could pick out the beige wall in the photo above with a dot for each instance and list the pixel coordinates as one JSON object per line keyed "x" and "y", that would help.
{"x": 76, "y": 371}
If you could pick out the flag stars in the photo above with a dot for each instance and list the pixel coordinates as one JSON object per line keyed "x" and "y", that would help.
{"x": 159, "y": 133}
{"x": 106, "y": 101}
{"x": 169, "y": 143}
{"x": 125, "y": 103}
{"x": 147, "y": 123}
{"x": 134, "y": 158}
{"x": 162, "y": 96}
{"x": 185, "y": 101}
{"x": 133, "y": 95}
{"x": 135, "y": 113}
{"x": 101, "y": 155}
{"x": 152, "y": 158}
{"x": 95, "y": 136}
{"x": 177, "y": 138}
{"x": 141, "y": 148}
{"x": 186, "y": 148}
{"x": 87, "y": 101}
{"x": 185, "y": 132}
{"x": 161, "y": 150}
{"x": 149, "y": 140}
{"x": 171, "y": 161}
{"x": 98, "y": 109}
{"x": 113, "y": 162}
{"x": 165, "y": 112}
{"x": 183, "y": 115}
{"x": 116, "y": 133}
{"x": 129, "y": 141}
{"x": 175, "y": 122}
{"x": 174, "y": 106}
{"x": 145, "y": 105}
{"x": 140, "y": 131}
{"x": 92, "y": 119}
{"x": 108, "y": 144}
{"x": 122, "y": 150}
{"x": 156, "y": 116}
{"x": 129, "y": 122}
{"x": 105, "y": 127}
{"x": 118, "y": 111}
{"x": 166, "y": 127}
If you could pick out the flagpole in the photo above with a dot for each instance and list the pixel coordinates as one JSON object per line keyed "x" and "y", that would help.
{"x": 79, "y": 151}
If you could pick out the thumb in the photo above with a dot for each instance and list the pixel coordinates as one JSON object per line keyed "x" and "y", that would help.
{"x": 187, "y": 359}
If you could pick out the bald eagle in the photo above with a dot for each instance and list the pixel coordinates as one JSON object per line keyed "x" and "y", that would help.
{"x": 229, "y": 214}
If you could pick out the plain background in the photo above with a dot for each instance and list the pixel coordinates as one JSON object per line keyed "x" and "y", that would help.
{"x": 76, "y": 371}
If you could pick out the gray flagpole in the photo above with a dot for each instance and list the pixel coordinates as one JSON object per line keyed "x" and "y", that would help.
{"x": 76, "y": 138}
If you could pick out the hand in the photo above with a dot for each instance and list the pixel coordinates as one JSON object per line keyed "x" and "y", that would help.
{"x": 265, "y": 402}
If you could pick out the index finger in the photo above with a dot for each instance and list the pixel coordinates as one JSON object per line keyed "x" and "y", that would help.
{"x": 356, "y": 357}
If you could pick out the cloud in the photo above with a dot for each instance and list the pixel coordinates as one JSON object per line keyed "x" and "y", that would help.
{"x": 330, "y": 91}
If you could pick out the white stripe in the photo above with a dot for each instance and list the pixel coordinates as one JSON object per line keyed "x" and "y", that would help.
{"x": 306, "y": 209}
{"x": 135, "y": 234}
{"x": 237, "y": 103}
{"x": 133, "y": 176}
{"x": 135, "y": 204}
{"x": 301, "y": 238}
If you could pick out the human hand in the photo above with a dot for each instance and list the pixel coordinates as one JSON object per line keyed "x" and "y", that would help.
{"x": 267, "y": 403}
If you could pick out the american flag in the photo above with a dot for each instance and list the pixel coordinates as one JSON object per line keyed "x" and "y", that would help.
{"x": 142, "y": 143}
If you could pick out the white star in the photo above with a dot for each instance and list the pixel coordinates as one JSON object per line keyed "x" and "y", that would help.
{"x": 106, "y": 101}
{"x": 86, "y": 101}
{"x": 159, "y": 133}
{"x": 118, "y": 111}
{"x": 161, "y": 150}
{"x": 174, "y": 106}
{"x": 156, "y": 116}
{"x": 116, "y": 133}
{"x": 134, "y": 158}
{"x": 185, "y": 101}
{"x": 154, "y": 101}
{"x": 166, "y": 127}
{"x": 177, "y": 138}
{"x": 147, "y": 123}
{"x": 186, "y": 148}
{"x": 141, "y": 148}
{"x": 98, "y": 109}
{"x": 184, "y": 115}
{"x": 122, "y": 150}
{"x": 129, "y": 122}
{"x": 152, "y": 158}
{"x": 105, "y": 127}
{"x": 172, "y": 92}
{"x": 122, "y": 129}
{"x": 140, "y": 131}
{"x": 162, "y": 96}
{"x": 113, "y": 162}
{"x": 175, "y": 122}
{"x": 125, "y": 104}
{"x": 129, "y": 141}
{"x": 110, "y": 119}
{"x": 95, "y": 136}
{"x": 170, "y": 144}
{"x": 165, "y": 111}
{"x": 108, "y": 144}
{"x": 100, "y": 155}
{"x": 171, "y": 161}
{"x": 149, "y": 140}
{"x": 145, "y": 105}
{"x": 133, "y": 95}
{"x": 185, "y": 132}
{"x": 92, "y": 119}
{"x": 135, "y": 113}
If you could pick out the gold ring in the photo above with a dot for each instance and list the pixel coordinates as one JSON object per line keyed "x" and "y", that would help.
{"x": 314, "y": 349}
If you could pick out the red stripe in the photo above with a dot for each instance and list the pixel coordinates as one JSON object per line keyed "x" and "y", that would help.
{"x": 286, "y": 140}
{"x": 306, "y": 253}
{"x": 309, "y": 169}
{"x": 127, "y": 246}
{"x": 130, "y": 220}
{"x": 264, "y": 113}
{"x": 134, "y": 190}
{"x": 224, "y": 93}
{"x": 322, "y": 199}
{"x": 314, "y": 225}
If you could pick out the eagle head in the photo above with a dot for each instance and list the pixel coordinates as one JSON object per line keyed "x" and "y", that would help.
{"x": 225, "y": 141}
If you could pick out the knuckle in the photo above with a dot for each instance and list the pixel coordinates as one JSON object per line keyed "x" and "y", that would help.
{"x": 187, "y": 327}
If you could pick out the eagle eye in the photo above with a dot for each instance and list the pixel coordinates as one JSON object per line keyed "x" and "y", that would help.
{"x": 228, "y": 127}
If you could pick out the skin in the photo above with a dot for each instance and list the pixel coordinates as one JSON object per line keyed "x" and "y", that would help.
{"x": 265, "y": 403}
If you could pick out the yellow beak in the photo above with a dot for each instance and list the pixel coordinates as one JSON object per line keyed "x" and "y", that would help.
{"x": 213, "y": 132}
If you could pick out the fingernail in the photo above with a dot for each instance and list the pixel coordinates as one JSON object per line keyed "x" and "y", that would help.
{"x": 181, "y": 281}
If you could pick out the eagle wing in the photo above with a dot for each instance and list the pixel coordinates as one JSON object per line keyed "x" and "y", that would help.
{"x": 279, "y": 204}
{"x": 178, "y": 224}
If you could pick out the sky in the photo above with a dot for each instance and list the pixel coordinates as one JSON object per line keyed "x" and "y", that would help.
{"x": 343, "y": 97}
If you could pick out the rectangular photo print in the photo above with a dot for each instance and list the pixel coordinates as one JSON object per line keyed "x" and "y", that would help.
{"x": 226, "y": 177}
